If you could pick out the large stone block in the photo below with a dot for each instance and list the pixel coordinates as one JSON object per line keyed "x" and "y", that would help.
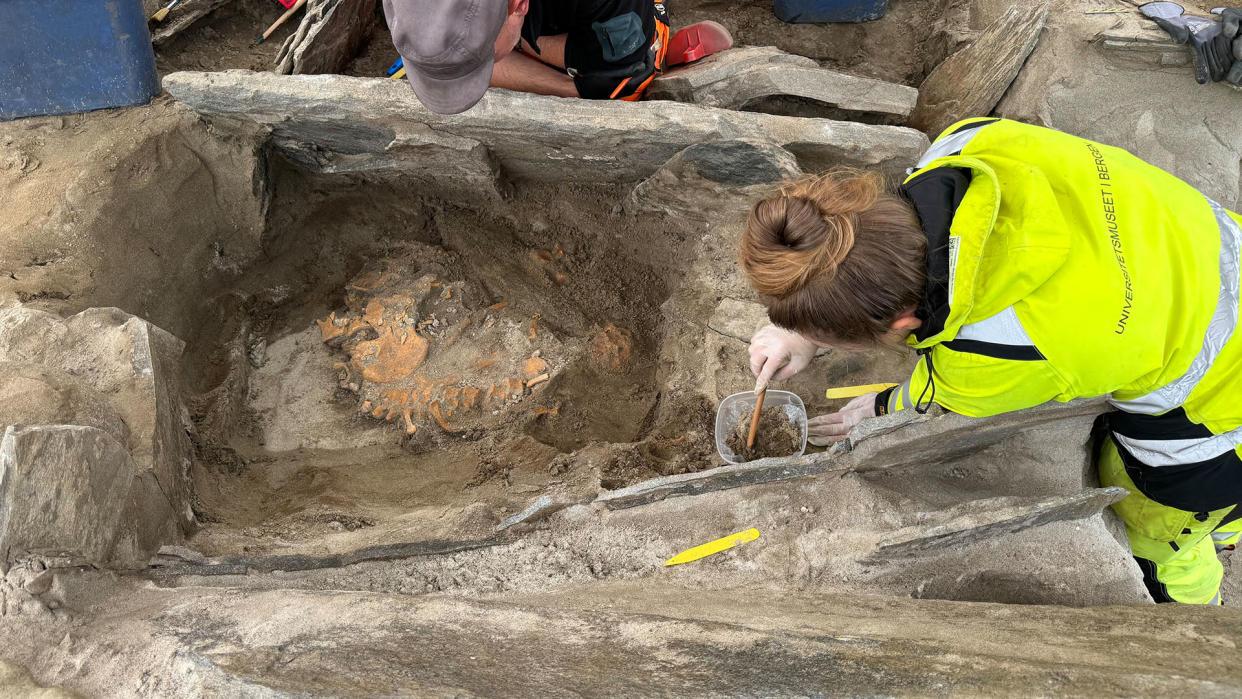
{"x": 333, "y": 122}
{"x": 970, "y": 82}
{"x": 131, "y": 363}
{"x": 747, "y": 78}
{"x": 328, "y": 37}
{"x": 62, "y": 491}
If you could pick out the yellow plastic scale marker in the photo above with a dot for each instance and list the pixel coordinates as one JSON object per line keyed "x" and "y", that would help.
{"x": 399, "y": 74}
{"x": 856, "y": 391}
{"x": 711, "y": 547}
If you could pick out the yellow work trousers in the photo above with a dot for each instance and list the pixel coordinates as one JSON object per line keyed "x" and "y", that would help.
{"x": 1176, "y": 549}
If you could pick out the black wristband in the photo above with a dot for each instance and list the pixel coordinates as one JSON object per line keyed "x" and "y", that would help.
{"x": 881, "y": 401}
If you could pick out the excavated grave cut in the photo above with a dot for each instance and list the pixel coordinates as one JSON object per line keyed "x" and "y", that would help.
{"x": 404, "y": 368}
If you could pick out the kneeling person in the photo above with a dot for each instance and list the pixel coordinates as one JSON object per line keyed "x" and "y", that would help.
{"x": 453, "y": 50}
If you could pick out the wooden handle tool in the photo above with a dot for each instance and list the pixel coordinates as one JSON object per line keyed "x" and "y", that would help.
{"x": 288, "y": 13}
{"x": 754, "y": 419}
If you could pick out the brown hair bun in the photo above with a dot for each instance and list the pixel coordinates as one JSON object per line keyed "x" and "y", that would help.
{"x": 835, "y": 256}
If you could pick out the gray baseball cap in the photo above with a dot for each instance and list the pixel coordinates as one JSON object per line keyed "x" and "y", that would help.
{"x": 448, "y": 47}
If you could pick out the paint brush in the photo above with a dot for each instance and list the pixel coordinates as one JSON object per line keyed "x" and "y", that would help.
{"x": 161, "y": 13}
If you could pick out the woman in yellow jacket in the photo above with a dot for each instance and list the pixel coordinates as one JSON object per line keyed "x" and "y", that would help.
{"x": 1025, "y": 265}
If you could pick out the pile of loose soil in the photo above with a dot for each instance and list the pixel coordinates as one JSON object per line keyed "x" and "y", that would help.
{"x": 777, "y": 435}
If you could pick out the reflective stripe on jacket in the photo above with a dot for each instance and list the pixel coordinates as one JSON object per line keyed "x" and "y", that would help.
{"x": 1060, "y": 268}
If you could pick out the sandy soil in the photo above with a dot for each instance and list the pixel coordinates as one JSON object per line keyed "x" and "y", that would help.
{"x": 776, "y": 435}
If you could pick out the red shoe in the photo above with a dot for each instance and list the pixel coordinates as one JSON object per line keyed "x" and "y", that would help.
{"x": 697, "y": 41}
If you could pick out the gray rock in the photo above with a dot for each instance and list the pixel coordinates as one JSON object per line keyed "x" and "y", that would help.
{"x": 1118, "y": 80}
{"x": 31, "y": 394}
{"x": 184, "y": 15}
{"x": 62, "y": 491}
{"x": 540, "y": 508}
{"x": 721, "y": 478}
{"x": 906, "y": 437}
{"x": 123, "y": 367}
{"x": 991, "y": 518}
{"x": 746, "y": 77}
{"x": 634, "y": 638}
{"x": 708, "y": 176}
{"x": 328, "y": 38}
{"x": 970, "y": 82}
{"x": 332, "y": 122}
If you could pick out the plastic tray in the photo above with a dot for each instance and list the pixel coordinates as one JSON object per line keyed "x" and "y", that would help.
{"x": 740, "y": 404}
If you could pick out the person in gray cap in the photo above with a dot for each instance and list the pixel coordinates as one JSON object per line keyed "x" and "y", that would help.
{"x": 453, "y": 50}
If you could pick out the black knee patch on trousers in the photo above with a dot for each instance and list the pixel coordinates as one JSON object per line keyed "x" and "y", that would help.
{"x": 1155, "y": 588}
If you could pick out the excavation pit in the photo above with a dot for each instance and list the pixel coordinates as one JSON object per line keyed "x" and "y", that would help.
{"x": 402, "y": 368}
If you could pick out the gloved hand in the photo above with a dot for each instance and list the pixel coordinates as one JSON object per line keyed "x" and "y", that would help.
{"x": 828, "y": 429}
{"x": 1209, "y": 49}
{"x": 778, "y": 354}
{"x": 1231, "y": 37}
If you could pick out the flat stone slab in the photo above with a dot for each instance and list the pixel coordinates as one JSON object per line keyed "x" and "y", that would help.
{"x": 184, "y": 15}
{"x": 335, "y": 123}
{"x": 905, "y": 438}
{"x": 63, "y": 489}
{"x": 328, "y": 36}
{"x": 971, "y": 82}
{"x": 174, "y": 561}
{"x": 721, "y": 478}
{"x": 740, "y": 78}
{"x": 991, "y": 518}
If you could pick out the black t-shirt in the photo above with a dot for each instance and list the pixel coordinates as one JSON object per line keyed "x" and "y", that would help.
{"x": 602, "y": 34}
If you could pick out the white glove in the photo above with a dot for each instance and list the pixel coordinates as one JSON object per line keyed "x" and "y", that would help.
{"x": 778, "y": 354}
{"x": 827, "y": 429}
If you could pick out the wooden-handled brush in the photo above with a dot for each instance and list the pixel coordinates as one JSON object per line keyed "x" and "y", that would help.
{"x": 281, "y": 20}
{"x": 161, "y": 13}
{"x": 754, "y": 419}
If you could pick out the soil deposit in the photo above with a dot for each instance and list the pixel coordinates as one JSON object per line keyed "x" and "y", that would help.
{"x": 777, "y": 435}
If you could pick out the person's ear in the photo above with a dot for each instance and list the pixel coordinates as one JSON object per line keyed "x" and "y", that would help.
{"x": 519, "y": 7}
{"x": 906, "y": 322}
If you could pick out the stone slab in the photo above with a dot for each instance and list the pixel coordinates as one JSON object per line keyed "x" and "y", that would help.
{"x": 184, "y": 15}
{"x": 131, "y": 369}
{"x": 325, "y": 122}
{"x": 907, "y": 438}
{"x": 632, "y": 638}
{"x": 62, "y": 492}
{"x": 708, "y": 177}
{"x": 328, "y": 37}
{"x": 987, "y": 519}
{"x": 721, "y": 478}
{"x": 972, "y": 81}
{"x": 740, "y": 78}
{"x": 903, "y": 439}
{"x": 171, "y": 564}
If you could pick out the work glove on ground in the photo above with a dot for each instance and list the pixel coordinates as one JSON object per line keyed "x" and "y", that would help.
{"x": 1210, "y": 49}
{"x": 778, "y": 354}
{"x": 1231, "y": 37}
{"x": 834, "y": 427}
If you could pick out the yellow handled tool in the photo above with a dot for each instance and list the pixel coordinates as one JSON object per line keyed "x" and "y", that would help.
{"x": 399, "y": 74}
{"x": 856, "y": 391}
{"x": 711, "y": 547}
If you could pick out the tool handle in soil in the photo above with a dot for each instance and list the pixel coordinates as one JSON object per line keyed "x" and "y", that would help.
{"x": 281, "y": 20}
{"x": 754, "y": 419}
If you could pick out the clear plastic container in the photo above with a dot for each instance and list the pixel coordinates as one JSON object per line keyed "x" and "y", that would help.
{"x": 739, "y": 404}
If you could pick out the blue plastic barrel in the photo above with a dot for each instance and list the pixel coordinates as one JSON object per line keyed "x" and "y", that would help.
{"x": 806, "y": 11}
{"x": 70, "y": 56}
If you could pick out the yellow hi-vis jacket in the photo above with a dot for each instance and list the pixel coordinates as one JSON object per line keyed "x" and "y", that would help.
{"x": 1059, "y": 268}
